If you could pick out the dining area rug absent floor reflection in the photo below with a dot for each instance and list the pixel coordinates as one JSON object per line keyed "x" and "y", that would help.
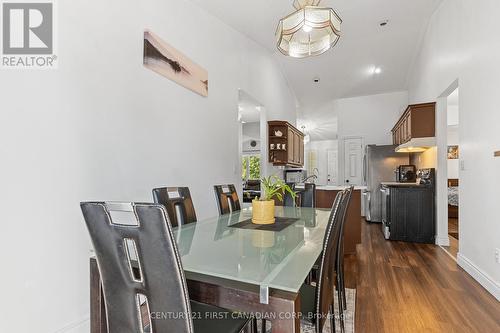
{"x": 349, "y": 317}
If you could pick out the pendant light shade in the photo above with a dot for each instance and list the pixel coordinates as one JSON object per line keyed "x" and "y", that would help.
{"x": 309, "y": 31}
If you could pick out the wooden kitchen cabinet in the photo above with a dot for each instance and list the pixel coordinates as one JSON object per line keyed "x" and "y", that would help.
{"x": 418, "y": 121}
{"x": 352, "y": 231}
{"x": 286, "y": 149}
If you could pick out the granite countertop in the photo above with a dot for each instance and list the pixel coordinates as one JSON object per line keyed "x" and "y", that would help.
{"x": 332, "y": 187}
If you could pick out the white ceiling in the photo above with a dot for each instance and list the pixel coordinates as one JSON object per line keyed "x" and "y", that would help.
{"x": 347, "y": 70}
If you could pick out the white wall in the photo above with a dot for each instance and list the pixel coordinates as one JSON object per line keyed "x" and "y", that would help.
{"x": 251, "y": 132}
{"x": 321, "y": 148}
{"x": 102, "y": 127}
{"x": 460, "y": 43}
{"x": 371, "y": 117}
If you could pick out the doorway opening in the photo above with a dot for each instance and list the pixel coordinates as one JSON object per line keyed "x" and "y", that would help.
{"x": 252, "y": 148}
{"x": 453, "y": 168}
{"x": 448, "y": 169}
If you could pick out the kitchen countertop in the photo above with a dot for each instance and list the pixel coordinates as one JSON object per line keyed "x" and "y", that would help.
{"x": 396, "y": 184}
{"x": 333, "y": 187}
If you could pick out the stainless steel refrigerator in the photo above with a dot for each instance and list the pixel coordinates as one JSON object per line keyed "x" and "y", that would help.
{"x": 379, "y": 165}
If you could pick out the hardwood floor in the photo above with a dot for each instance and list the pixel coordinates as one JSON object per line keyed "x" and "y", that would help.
{"x": 453, "y": 227}
{"x": 408, "y": 287}
{"x": 453, "y": 248}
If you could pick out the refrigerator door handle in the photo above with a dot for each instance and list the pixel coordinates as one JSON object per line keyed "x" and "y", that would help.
{"x": 364, "y": 169}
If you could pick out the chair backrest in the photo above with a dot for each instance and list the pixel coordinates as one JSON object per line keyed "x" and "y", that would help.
{"x": 308, "y": 197}
{"x": 227, "y": 199}
{"x": 137, "y": 235}
{"x": 326, "y": 278}
{"x": 178, "y": 202}
{"x": 345, "y": 207}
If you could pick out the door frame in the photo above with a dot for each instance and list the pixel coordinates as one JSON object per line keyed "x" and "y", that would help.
{"x": 341, "y": 159}
{"x": 442, "y": 166}
{"x": 263, "y": 141}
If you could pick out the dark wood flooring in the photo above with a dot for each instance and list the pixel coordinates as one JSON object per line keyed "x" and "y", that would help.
{"x": 408, "y": 287}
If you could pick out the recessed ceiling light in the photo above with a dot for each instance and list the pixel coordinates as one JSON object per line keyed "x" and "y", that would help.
{"x": 383, "y": 23}
{"x": 374, "y": 70}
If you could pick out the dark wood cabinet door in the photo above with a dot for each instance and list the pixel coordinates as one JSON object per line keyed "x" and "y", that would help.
{"x": 291, "y": 145}
{"x": 408, "y": 128}
{"x": 296, "y": 148}
{"x": 301, "y": 150}
{"x": 412, "y": 215}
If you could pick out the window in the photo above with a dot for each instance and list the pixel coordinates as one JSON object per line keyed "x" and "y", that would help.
{"x": 250, "y": 167}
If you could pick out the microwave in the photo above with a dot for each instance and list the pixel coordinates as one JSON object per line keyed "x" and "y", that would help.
{"x": 295, "y": 175}
{"x": 407, "y": 174}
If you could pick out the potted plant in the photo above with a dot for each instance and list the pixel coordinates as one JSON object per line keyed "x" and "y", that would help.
{"x": 263, "y": 209}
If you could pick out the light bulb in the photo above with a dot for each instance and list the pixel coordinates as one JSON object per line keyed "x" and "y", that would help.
{"x": 307, "y": 28}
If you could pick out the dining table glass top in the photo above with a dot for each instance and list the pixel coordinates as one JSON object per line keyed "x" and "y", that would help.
{"x": 280, "y": 260}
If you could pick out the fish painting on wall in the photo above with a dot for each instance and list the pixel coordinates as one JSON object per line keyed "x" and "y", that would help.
{"x": 169, "y": 62}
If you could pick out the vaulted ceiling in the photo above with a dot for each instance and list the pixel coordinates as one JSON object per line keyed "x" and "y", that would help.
{"x": 347, "y": 69}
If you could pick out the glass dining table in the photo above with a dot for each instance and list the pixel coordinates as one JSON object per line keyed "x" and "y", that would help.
{"x": 244, "y": 269}
{"x": 272, "y": 262}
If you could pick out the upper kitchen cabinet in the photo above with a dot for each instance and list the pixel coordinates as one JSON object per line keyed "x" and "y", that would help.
{"x": 418, "y": 121}
{"x": 286, "y": 144}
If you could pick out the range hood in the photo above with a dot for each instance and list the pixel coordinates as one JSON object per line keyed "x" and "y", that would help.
{"x": 416, "y": 145}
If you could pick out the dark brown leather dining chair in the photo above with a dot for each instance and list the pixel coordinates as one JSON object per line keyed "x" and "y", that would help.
{"x": 178, "y": 202}
{"x": 155, "y": 298}
{"x": 227, "y": 199}
{"x": 317, "y": 302}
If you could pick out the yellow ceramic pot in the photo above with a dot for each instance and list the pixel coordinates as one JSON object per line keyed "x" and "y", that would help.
{"x": 263, "y": 212}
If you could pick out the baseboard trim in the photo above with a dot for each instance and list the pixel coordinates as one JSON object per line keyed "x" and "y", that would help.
{"x": 443, "y": 241}
{"x": 74, "y": 325}
{"x": 484, "y": 279}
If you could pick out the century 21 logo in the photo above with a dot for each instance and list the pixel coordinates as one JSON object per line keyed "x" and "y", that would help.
{"x": 27, "y": 28}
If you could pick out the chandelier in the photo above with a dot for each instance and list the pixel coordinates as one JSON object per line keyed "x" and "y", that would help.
{"x": 310, "y": 30}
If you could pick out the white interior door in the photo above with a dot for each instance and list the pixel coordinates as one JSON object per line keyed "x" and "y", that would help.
{"x": 333, "y": 166}
{"x": 353, "y": 155}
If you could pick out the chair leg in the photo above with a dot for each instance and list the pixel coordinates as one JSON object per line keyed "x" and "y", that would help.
{"x": 263, "y": 326}
{"x": 254, "y": 325}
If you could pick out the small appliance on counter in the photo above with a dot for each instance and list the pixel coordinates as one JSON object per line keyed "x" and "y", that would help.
{"x": 406, "y": 174}
{"x": 295, "y": 176}
{"x": 408, "y": 209}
